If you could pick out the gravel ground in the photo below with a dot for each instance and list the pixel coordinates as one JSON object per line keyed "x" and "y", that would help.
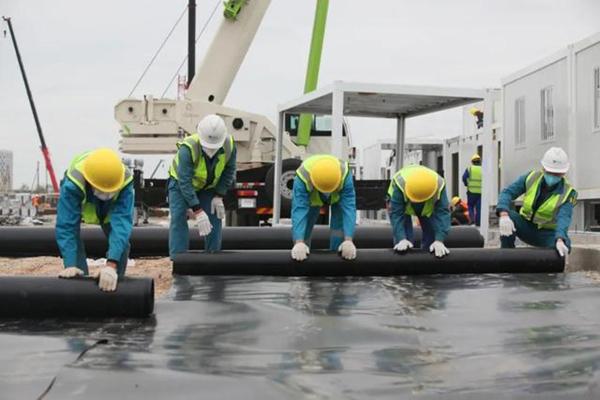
{"x": 157, "y": 268}
{"x": 593, "y": 275}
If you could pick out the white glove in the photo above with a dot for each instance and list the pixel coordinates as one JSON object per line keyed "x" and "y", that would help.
{"x": 403, "y": 246}
{"x": 439, "y": 249}
{"x": 562, "y": 248}
{"x": 217, "y": 207}
{"x": 348, "y": 250}
{"x": 204, "y": 225}
{"x": 107, "y": 279}
{"x": 507, "y": 226}
{"x": 300, "y": 251}
{"x": 70, "y": 272}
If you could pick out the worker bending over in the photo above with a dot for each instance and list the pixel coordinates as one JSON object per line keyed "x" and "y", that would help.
{"x": 548, "y": 202}
{"x": 201, "y": 173}
{"x": 419, "y": 191}
{"x": 323, "y": 180}
{"x": 472, "y": 180}
{"x": 98, "y": 189}
{"x": 460, "y": 212}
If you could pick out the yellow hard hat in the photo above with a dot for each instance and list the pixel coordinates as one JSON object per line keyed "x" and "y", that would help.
{"x": 476, "y": 157}
{"x": 326, "y": 175}
{"x": 473, "y": 110}
{"x": 104, "y": 170}
{"x": 455, "y": 200}
{"x": 421, "y": 185}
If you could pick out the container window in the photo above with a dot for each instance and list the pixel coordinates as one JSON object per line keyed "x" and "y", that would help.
{"x": 520, "y": 121}
{"x": 547, "y": 114}
{"x": 596, "y": 98}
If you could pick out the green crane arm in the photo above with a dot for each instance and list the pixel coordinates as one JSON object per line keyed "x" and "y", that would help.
{"x": 312, "y": 71}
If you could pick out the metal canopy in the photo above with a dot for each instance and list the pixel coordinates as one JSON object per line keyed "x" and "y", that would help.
{"x": 353, "y": 99}
{"x": 383, "y": 101}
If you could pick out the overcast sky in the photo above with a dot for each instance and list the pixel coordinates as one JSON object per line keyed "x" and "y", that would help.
{"x": 82, "y": 57}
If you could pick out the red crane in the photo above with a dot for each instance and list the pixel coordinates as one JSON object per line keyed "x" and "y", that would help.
{"x": 45, "y": 151}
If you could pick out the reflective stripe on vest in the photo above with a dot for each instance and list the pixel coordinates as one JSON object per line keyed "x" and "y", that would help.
{"x": 545, "y": 215}
{"x": 303, "y": 173}
{"x": 399, "y": 180}
{"x": 75, "y": 175}
{"x": 474, "y": 179}
{"x": 199, "y": 180}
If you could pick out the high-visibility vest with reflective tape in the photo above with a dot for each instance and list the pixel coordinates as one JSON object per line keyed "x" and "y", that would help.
{"x": 474, "y": 179}
{"x": 75, "y": 175}
{"x": 304, "y": 171}
{"x": 199, "y": 180}
{"x": 545, "y": 215}
{"x": 399, "y": 181}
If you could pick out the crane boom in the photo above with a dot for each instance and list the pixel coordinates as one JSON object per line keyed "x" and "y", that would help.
{"x": 226, "y": 53}
{"x": 154, "y": 126}
{"x": 45, "y": 151}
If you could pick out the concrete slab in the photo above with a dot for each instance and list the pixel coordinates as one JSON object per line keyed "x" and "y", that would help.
{"x": 584, "y": 258}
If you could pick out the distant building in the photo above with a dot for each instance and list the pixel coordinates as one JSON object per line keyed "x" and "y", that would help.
{"x": 378, "y": 160}
{"x": 459, "y": 150}
{"x": 6, "y": 171}
{"x": 556, "y": 102}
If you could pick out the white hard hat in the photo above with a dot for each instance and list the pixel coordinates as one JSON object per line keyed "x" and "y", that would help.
{"x": 212, "y": 131}
{"x": 556, "y": 160}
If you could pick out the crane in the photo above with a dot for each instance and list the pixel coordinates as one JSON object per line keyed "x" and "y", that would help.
{"x": 44, "y": 147}
{"x": 155, "y": 125}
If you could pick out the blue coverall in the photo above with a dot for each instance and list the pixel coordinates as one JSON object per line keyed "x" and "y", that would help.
{"x": 342, "y": 218}
{"x": 117, "y": 230}
{"x": 526, "y": 230}
{"x": 183, "y": 196}
{"x": 434, "y": 228}
{"x": 473, "y": 201}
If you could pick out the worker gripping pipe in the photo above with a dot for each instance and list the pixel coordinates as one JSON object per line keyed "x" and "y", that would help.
{"x": 415, "y": 191}
{"x": 549, "y": 199}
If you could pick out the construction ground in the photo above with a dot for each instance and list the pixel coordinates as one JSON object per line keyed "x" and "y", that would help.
{"x": 584, "y": 258}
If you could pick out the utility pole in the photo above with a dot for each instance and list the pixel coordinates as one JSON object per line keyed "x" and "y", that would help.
{"x": 191, "y": 40}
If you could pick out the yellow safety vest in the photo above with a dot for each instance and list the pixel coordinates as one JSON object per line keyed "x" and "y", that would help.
{"x": 399, "y": 181}
{"x": 75, "y": 175}
{"x": 545, "y": 216}
{"x": 304, "y": 171}
{"x": 199, "y": 180}
{"x": 474, "y": 179}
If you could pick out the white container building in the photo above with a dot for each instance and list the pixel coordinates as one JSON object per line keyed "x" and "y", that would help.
{"x": 556, "y": 102}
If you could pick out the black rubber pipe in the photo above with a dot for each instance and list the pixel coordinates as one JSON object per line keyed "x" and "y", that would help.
{"x": 154, "y": 241}
{"x": 370, "y": 262}
{"x": 27, "y": 297}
